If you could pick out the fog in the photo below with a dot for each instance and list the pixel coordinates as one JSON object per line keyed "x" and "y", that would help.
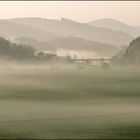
{"x": 37, "y": 101}
{"x": 69, "y": 70}
{"x": 77, "y": 54}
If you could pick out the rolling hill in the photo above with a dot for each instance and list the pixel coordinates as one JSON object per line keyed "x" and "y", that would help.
{"x": 71, "y": 44}
{"x": 131, "y": 56}
{"x": 38, "y": 45}
{"x": 66, "y": 28}
{"x": 116, "y": 26}
{"x": 14, "y": 30}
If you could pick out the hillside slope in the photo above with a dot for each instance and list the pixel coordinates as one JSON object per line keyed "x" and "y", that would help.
{"x": 131, "y": 56}
{"x": 12, "y": 30}
{"x": 71, "y": 44}
{"x": 116, "y": 26}
{"x": 66, "y": 28}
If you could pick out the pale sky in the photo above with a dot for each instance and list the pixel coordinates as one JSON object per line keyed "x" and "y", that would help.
{"x": 82, "y": 11}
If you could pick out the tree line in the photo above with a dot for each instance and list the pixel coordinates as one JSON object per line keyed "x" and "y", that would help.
{"x": 21, "y": 52}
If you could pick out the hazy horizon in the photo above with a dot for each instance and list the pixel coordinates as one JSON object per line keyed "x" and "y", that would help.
{"x": 81, "y": 11}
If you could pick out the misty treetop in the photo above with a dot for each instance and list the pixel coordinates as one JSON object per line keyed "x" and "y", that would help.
{"x": 130, "y": 56}
{"x": 14, "y": 51}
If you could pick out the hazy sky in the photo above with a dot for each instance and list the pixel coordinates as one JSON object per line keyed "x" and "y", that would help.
{"x": 82, "y": 11}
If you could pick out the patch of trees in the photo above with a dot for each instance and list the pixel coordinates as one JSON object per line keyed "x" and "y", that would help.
{"x": 131, "y": 56}
{"x": 22, "y": 52}
{"x": 10, "y": 50}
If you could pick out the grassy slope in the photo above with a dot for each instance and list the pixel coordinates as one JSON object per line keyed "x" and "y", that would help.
{"x": 69, "y": 103}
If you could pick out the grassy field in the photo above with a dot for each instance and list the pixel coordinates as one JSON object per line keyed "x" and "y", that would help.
{"x": 69, "y": 103}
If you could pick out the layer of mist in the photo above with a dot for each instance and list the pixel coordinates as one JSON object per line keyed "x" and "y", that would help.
{"x": 69, "y": 80}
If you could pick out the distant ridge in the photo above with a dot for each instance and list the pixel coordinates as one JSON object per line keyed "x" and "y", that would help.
{"x": 66, "y": 27}
{"x": 116, "y": 25}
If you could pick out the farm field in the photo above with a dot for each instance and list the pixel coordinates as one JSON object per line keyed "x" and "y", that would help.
{"x": 69, "y": 103}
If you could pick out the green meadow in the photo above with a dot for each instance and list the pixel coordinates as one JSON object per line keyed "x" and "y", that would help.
{"x": 69, "y": 103}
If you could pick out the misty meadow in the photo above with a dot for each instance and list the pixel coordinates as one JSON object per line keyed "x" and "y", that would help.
{"x": 67, "y": 79}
